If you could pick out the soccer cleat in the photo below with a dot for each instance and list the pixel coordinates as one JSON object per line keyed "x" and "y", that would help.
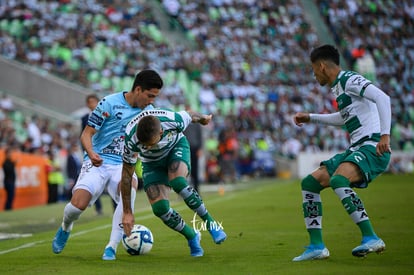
{"x": 369, "y": 245}
{"x": 109, "y": 254}
{"x": 195, "y": 248}
{"x": 60, "y": 240}
{"x": 313, "y": 252}
{"x": 218, "y": 235}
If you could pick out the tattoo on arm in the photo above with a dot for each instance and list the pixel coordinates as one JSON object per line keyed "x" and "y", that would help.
{"x": 126, "y": 182}
{"x": 195, "y": 117}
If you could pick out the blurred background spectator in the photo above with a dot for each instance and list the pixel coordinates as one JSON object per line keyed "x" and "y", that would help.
{"x": 9, "y": 181}
{"x": 194, "y": 134}
{"x": 55, "y": 179}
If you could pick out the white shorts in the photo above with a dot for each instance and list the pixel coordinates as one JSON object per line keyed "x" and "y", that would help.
{"x": 96, "y": 179}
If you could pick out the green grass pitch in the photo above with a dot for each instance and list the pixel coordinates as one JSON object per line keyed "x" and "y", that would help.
{"x": 263, "y": 221}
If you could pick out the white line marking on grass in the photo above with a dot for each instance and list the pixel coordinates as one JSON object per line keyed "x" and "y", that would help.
{"x": 21, "y": 247}
{"x": 6, "y": 236}
{"x": 137, "y": 217}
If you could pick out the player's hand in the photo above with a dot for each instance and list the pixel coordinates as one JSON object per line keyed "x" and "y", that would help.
{"x": 205, "y": 119}
{"x": 128, "y": 222}
{"x": 300, "y": 118}
{"x": 383, "y": 145}
{"x": 95, "y": 159}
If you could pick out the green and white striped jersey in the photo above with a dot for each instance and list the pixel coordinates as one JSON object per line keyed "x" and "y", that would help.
{"x": 172, "y": 123}
{"x": 359, "y": 113}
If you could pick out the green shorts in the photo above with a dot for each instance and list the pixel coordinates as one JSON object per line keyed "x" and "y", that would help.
{"x": 366, "y": 158}
{"x": 156, "y": 172}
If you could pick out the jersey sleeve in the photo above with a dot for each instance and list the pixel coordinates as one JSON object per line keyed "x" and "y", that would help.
{"x": 334, "y": 119}
{"x": 186, "y": 119}
{"x": 99, "y": 115}
{"x": 130, "y": 154}
{"x": 383, "y": 102}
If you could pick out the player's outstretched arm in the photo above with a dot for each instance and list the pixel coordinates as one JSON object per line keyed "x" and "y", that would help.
{"x": 126, "y": 181}
{"x": 300, "y": 118}
{"x": 200, "y": 118}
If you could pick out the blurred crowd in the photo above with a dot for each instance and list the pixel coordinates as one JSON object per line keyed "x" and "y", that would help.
{"x": 381, "y": 31}
{"x": 249, "y": 66}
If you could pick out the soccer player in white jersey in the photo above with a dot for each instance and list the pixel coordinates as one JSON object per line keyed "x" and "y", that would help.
{"x": 365, "y": 112}
{"x": 156, "y": 136}
{"x": 103, "y": 142}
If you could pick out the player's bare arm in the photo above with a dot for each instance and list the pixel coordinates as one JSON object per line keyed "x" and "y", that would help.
{"x": 199, "y": 118}
{"x": 128, "y": 217}
{"x": 86, "y": 140}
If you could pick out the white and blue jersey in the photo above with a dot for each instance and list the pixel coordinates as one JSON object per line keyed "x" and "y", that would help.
{"x": 110, "y": 119}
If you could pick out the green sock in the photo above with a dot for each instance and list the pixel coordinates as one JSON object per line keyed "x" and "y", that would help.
{"x": 315, "y": 236}
{"x": 172, "y": 219}
{"x": 312, "y": 209}
{"x": 366, "y": 228}
{"x": 208, "y": 219}
{"x": 352, "y": 204}
{"x": 188, "y": 232}
{"x": 192, "y": 199}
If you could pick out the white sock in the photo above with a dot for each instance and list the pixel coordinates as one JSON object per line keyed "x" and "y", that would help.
{"x": 70, "y": 214}
{"x": 117, "y": 231}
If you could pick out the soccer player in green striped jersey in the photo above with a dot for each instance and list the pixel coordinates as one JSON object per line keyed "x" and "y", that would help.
{"x": 156, "y": 137}
{"x": 365, "y": 113}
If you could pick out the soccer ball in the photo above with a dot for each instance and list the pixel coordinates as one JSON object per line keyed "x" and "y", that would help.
{"x": 139, "y": 242}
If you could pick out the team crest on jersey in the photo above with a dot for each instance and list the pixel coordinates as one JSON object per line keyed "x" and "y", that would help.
{"x": 170, "y": 137}
{"x": 335, "y": 90}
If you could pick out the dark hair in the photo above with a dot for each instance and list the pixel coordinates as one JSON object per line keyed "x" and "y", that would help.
{"x": 325, "y": 52}
{"x": 147, "y": 80}
{"x": 148, "y": 127}
{"x": 91, "y": 96}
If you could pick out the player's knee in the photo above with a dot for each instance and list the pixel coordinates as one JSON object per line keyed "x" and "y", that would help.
{"x": 309, "y": 183}
{"x": 81, "y": 199}
{"x": 161, "y": 207}
{"x": 338, "y": 181}
{"x": 178, "y": 184}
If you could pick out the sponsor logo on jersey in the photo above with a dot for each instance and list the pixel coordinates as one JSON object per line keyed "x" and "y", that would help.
{"x": 118, "y": 115}
{"x": 95, "y": 119}
{"x": 120, "y": 107}
{"x": 116, "y": 146}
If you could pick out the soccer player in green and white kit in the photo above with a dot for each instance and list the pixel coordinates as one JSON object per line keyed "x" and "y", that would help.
{"x": 365, "y": 112}
{"x": 157, "y": 137}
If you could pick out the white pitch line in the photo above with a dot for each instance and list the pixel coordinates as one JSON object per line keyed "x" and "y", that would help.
{"x": 6, "y": 236}
{"x": 21, "y": 247}
{"x": 32, "y": 244}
